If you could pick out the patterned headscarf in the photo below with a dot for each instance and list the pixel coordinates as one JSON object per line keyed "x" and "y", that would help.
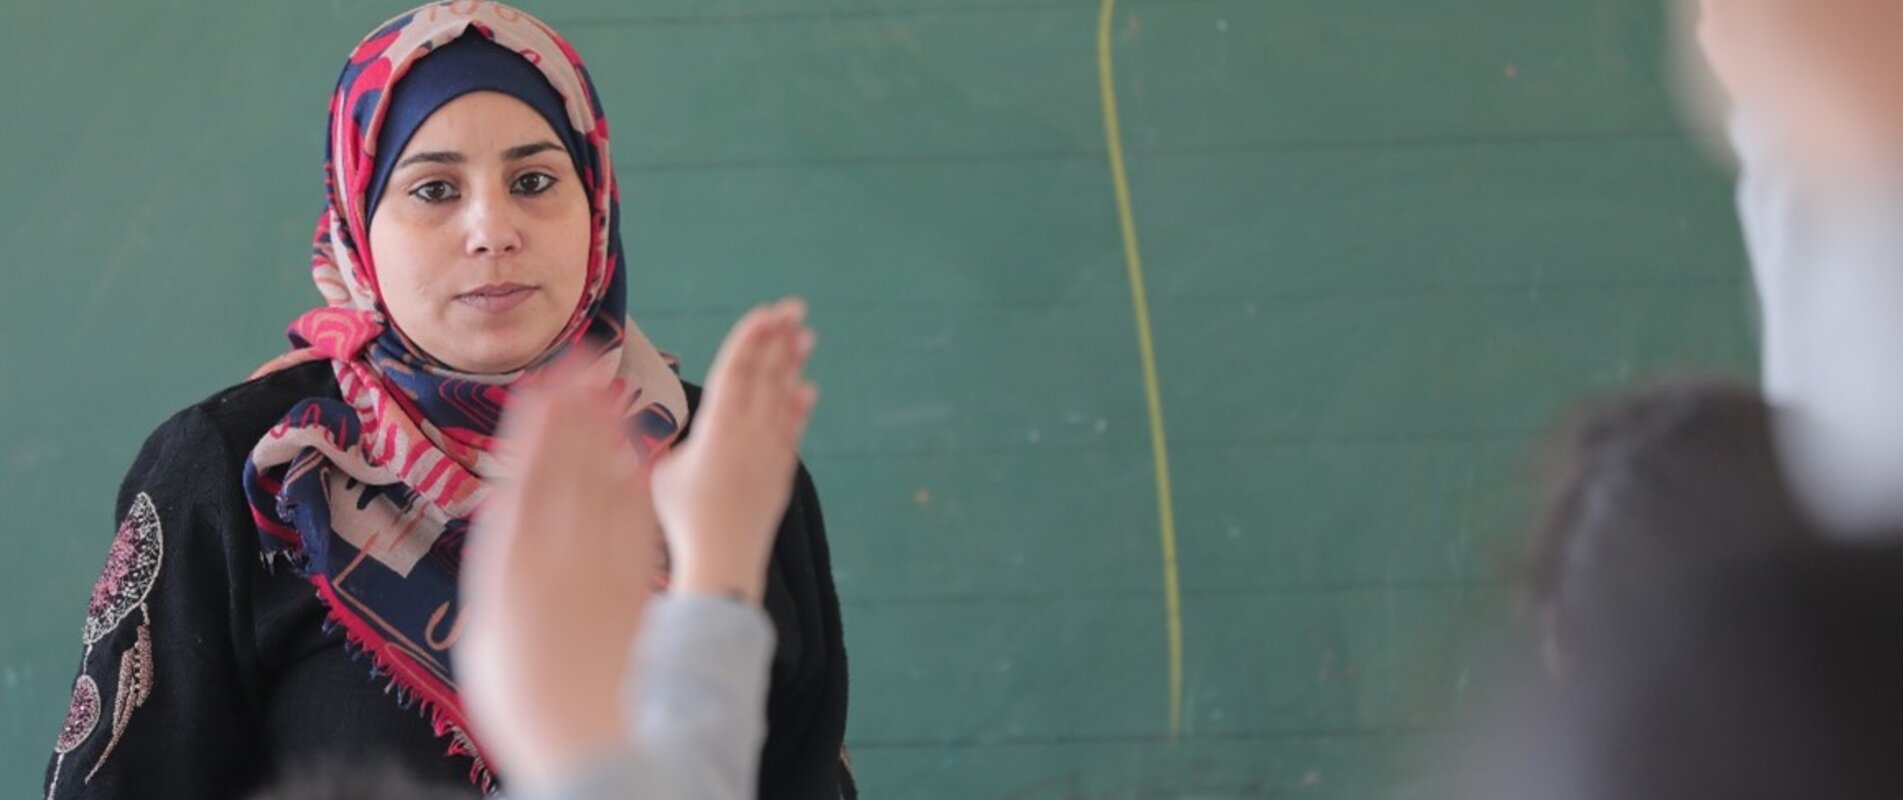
{"x": 371, "y": 497}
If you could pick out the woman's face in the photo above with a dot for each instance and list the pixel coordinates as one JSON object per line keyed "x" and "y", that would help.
{"x": 481, "y": 238}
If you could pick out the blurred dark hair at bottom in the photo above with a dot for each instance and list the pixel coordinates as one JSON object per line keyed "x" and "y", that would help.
{"x": 361, "y": 778}
{"x": 1635, "y": 487}
{"x": 1771, "y": 678}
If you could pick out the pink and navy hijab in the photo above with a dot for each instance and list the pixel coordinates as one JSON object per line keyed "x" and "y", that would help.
{"x": 371, "y": 496}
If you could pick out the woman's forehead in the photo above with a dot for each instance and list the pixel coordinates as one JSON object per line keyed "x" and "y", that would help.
{"x": 481, "y": 125}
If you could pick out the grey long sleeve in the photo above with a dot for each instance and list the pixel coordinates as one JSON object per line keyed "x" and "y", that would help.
{"x": 696, "y": 707}
{"x": 1827, "y": 262}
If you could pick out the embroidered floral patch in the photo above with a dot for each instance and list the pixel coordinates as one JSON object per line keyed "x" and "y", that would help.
{"x": 81, "y": 717}
{"x": 132, "y": 567}
{"x": 135, "y": 687}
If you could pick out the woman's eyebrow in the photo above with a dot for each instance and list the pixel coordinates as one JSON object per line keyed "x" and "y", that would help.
{"x": 431, "y": 157}
{"x": 522, "y": 151}
{"x": 516, "y": 153}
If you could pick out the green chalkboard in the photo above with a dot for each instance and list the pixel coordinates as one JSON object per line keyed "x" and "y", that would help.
{"x": 1382, "y": 240}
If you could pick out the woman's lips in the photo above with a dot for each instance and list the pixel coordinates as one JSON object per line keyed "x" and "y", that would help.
{"x": 496, "y": 298}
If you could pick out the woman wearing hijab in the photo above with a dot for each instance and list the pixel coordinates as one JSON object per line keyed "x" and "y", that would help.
{"x": 283, "y": 584}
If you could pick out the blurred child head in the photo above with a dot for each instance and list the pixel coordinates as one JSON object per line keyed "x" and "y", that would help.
{"x": 361, "y": 778}
{"x": 1637, "y": 486}
{"x": 1770, "y": 677}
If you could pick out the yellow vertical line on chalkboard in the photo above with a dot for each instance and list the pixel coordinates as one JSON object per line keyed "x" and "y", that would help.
{"x": 1146, "y": 347}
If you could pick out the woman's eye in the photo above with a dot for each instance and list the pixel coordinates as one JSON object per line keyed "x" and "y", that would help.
{"x": 534, "y": 183}
{"x": 434, "y": 192}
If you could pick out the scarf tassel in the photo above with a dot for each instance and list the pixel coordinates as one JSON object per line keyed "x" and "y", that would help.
{"x": 441, "y": 724}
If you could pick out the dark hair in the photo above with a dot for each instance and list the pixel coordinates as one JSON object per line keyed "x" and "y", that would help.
{"x": 337, "y": 778}
{"x": 1766, "y": 678}
{"x": 1635, "y": 486}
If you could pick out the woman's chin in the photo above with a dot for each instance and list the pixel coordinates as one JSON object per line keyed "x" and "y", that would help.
{"x": 491, "y": 344}
{"x": 489, "y": 353}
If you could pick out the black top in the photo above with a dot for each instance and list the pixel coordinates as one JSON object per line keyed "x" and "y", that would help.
{"x": 205, "y": 674}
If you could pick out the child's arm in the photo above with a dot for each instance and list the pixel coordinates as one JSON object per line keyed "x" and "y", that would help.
{"x": 558, "y": 572}
{"x": 1827, "y": 263}
{"x": 695, "y": 705}
{"x": 1820, "y": 197}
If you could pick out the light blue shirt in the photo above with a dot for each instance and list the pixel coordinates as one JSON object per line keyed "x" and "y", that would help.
{"x": 1827, "y": 263}
{"x": 695, "y": 705}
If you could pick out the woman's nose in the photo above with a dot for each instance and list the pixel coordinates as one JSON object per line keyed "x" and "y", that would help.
{"x": 492, "y": 229}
